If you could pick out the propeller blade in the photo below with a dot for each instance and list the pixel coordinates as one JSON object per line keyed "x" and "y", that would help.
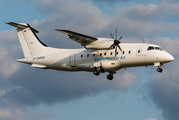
{"x": 116, "y": 43}
{"x": 116, "y": 33}
{"x": 115, "y": 50}
{"x": 112, "y": 46}
{"x": 120, "y": 38}
{"x": 111, "y": 36}
{"x": 119, "y": 48}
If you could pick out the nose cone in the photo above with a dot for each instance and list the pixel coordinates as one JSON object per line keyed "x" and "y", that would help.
{"x": 169, "y": 58}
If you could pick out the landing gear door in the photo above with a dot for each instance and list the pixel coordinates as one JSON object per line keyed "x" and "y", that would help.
{"x": 96, "y": 64}
{"x": 73, "y": 60}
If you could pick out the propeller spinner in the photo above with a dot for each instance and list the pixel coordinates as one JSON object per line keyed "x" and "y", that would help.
{"x": 116, "y": 43}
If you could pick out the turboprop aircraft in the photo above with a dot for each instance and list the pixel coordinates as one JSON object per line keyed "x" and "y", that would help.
{"x": 100, "y": 55}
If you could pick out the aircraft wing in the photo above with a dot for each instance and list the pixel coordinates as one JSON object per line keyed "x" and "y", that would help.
{"x": 80, "y": 38}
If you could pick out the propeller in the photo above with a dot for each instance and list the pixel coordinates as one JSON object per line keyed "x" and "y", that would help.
{"x": 116, "y": 43}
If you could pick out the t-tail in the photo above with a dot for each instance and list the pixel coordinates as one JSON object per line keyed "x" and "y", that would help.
{"x": 30, "y": 43}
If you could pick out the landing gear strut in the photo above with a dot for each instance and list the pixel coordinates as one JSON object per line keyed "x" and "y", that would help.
{"x": 110, "y": 76}
{"x": 98, "y": 70}
{"x": 159, "y": 70}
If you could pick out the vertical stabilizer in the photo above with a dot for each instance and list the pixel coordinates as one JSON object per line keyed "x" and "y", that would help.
{"x": 30, "y": 43}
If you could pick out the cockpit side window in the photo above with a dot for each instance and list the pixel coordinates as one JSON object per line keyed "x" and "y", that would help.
{"x": 154, "y": 48}
{"x": 158, "y": 48}
{"x": 150, "y": 48}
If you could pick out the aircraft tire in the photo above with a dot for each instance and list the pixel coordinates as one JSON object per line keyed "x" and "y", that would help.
{"x": 159, "y": 70}
{"x": 109, "y": 77}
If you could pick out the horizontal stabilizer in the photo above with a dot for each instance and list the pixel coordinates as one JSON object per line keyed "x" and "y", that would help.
{"x": 21, "y": 26}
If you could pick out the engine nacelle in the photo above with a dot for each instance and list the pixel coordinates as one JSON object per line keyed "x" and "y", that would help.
{"x": 101, "y": 43}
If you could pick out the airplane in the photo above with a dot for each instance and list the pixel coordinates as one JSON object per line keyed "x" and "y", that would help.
{"x": 100, "y": 55}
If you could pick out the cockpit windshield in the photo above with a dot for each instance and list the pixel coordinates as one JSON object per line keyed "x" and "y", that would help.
{"x": 158, "y": 48}
{"x": 154, "y": 48}
{"x": 150, "y": 48}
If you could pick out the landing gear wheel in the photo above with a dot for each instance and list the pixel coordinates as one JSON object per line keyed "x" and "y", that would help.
{"x": 96, "y": 72}
{"x": 159, "y": 70}
{"x": 109, "y": 77}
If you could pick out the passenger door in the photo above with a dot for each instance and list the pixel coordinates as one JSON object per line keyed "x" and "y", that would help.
{"x": 73, "y": 60}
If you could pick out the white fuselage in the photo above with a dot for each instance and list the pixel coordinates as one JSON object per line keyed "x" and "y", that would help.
{"x": 101, "y": 54}
{"x": 132, "y": 55}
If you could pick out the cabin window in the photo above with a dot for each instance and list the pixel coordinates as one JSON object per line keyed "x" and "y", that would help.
{"x": 150, "y": 48}
{"x": 87, "y": 55}
{"x": 81, "y": 56}
{"x": 105, "y": 54}
{"x": 111, "y": 53}
{"x": 138, "y": 51}
{"x": 93, "y": 55}
{"x": 123, "y": 52}
{"x": 116, "y": 53}
{"x": 129, "y": 51}
{"x": 100, "y": 54}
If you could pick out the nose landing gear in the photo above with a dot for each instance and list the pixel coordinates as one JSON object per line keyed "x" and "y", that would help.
{"x": 110, "y": 76}
{"x": 160, "y": 65}
{"x": 159, "y": 70}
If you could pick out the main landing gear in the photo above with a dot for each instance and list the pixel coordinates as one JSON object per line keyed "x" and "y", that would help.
{"x": 96, "y": 72}
{"x": 99, "y": 70}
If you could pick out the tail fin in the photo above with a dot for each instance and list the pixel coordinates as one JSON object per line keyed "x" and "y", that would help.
{"x": 30, "y": 43}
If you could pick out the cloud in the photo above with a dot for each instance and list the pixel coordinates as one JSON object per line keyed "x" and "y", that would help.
{"x": 126, "y": 80}
{"x": 147, "y": 20}
{"x": 8, "y": 65}
{"x": 29, "y": 86}
{"x": 7, "y": 114}
{"x": 163, "y": 88}
{"x": 141, "y": 12}
{"x": 126, "y": 2}
{"x": 79, "y": 17}
{"x": 20, "y": 114}
{"x": 170, "y": 45}
{"x": 74, "y": 15}
{"x": 135, "y": 21}
{"x": 115, "y": 1}
{"x": 51, "y": 87}
{"x": 149, "y": 119}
